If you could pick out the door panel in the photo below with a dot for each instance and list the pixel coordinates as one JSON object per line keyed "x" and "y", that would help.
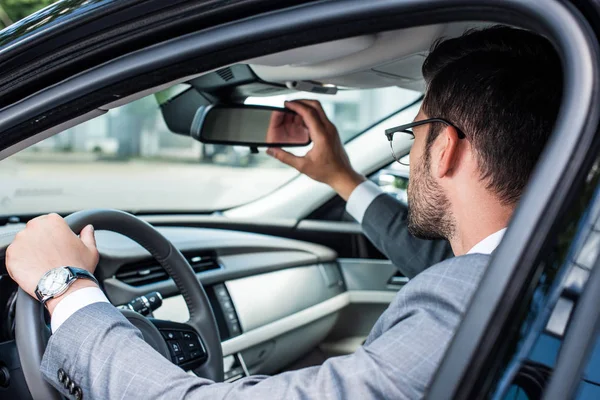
{"x": 371, "y": 275}
{"x": 375, "y": 283}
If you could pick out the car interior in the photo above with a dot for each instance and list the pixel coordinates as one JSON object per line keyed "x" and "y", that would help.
{"x": 290, "y": 283}
{"x": 289, "y": 275}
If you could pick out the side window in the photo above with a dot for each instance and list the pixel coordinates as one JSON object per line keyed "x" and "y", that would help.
{"x": 392, "y": 179}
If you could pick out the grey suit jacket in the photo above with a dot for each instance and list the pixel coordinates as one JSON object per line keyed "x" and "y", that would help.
{"x": 106, "y": 357}
{"x": 385, "y": 225}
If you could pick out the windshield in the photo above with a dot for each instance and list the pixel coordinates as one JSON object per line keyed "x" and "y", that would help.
{"x": 128, "y": 159}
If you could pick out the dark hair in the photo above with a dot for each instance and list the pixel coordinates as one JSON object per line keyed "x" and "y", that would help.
{"x": 502, "y": 87}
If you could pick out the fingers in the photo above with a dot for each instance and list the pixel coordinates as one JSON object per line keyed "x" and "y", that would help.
{"x": 88, "y": 238}
{"x": 298, "y": 121}
{"x": 289, "y": 118}
{"x": 311, "y": 118}
{"x": 286, "y": 158}
{"x": 276, "y": 119}
{"x": 318, "y": 107}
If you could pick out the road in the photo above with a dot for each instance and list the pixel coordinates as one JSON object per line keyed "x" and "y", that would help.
{"x": 67, "y": 183}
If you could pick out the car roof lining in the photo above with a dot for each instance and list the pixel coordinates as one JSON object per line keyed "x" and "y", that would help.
{"x": 363, "y": 62}
{"x": 390, "y": 58}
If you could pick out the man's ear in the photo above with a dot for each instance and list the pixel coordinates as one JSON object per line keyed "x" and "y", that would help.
{"x": 448, "y": 151}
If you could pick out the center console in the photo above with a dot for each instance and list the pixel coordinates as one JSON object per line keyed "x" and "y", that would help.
{"x": 234, "y": 367}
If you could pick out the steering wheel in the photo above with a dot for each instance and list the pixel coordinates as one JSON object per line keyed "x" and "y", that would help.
{"x": 32, "y": 333}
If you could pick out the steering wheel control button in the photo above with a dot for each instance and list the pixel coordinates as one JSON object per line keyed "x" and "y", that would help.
{"x": 189, "y": 345}
{"x": 180, "y": 359}
{"x": 170, "y": 335}
{"x": 196, "y": 354}
{"x": 175, "y": 347}
{"x": 187, "y": 336}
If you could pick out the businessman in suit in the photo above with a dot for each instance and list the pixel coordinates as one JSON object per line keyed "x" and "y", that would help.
{"x": 383, "y": 218}
{"x": 472, "y": 156}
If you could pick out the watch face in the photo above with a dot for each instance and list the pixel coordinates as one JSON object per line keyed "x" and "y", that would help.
{"x": 53, "y": 281}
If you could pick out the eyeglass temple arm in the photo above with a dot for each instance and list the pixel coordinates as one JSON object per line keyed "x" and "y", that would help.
{"x": 389, "y": 133}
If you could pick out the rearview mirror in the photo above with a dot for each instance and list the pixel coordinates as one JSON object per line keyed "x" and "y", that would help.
{"x": 250, "y": 125}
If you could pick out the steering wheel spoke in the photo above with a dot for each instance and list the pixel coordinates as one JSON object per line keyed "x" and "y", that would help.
{"x": 185, "y": 345}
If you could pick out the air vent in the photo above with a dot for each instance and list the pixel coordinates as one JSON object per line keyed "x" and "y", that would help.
{"x": 149, "y": 271}
{"x": 226, "y": 74}
{"x": 203, "y": 261}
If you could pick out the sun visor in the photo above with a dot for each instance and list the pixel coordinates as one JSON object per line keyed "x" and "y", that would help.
{"x": 318, "y": 53}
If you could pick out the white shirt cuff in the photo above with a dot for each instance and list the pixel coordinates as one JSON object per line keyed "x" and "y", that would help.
{"x": 361, "y": 198}
{"x": 74, "y": 302}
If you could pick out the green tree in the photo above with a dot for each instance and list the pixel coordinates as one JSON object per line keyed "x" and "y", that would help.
{"x": 15, "y": 10}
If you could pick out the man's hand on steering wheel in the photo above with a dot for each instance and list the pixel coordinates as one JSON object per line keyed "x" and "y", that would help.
{"x": 47, "y": 242}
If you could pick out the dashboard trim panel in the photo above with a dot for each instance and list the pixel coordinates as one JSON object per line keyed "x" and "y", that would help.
{"x": 294, "y": 289}
{"x": 304, "y": 317}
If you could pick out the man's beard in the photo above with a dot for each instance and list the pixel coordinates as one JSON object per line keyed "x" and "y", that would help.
{"x": 428, "y": 206}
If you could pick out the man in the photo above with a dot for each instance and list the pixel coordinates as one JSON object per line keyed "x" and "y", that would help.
{"x": 496, "y": 90}
{"x": 383, "y": 218}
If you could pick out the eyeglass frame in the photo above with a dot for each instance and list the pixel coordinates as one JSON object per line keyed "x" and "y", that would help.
{"x": 389, "y": 133}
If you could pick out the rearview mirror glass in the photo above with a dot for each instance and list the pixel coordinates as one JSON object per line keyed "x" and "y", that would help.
{"x": 251, "y": 125}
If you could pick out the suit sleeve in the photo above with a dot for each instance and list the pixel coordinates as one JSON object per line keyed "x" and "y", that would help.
{"x": 106, "y": 357}
{"x": 385, "y": 225}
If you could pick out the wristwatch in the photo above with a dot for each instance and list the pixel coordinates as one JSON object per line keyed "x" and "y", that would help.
{"x": 56, "y": 281}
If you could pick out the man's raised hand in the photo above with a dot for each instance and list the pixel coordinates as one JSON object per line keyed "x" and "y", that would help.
{"x": 326, "y": 161}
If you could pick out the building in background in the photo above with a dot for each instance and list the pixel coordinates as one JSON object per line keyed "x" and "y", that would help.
{"x": 137, "y": 129}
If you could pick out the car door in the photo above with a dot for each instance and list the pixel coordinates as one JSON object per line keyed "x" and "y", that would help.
{"x": 532, "y": 326}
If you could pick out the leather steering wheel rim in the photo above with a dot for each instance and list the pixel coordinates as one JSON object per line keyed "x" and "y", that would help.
{"x": 32, "y": 333}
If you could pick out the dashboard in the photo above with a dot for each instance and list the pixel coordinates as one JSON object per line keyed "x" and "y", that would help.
{"x": 268, "y": 294}
{"x": 274, "y": 299}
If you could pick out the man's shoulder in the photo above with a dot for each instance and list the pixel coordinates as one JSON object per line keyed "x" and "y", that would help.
{"x": 446, "y": 287}
{"x": 456, "y": 277}
{"x": 438, "y": 296}
{"x": 469, "y": 267}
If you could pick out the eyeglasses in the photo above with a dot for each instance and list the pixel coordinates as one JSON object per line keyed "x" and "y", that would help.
{"x": 407, "y": 128}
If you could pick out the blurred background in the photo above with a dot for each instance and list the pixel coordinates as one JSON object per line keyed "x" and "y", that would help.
{"x": 14, "y": 10}
{"x": 128, "y": 159}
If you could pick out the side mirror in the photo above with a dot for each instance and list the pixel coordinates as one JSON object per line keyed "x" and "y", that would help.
{"x": 249, "y": 125}
{"x": 393, "y": 184}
